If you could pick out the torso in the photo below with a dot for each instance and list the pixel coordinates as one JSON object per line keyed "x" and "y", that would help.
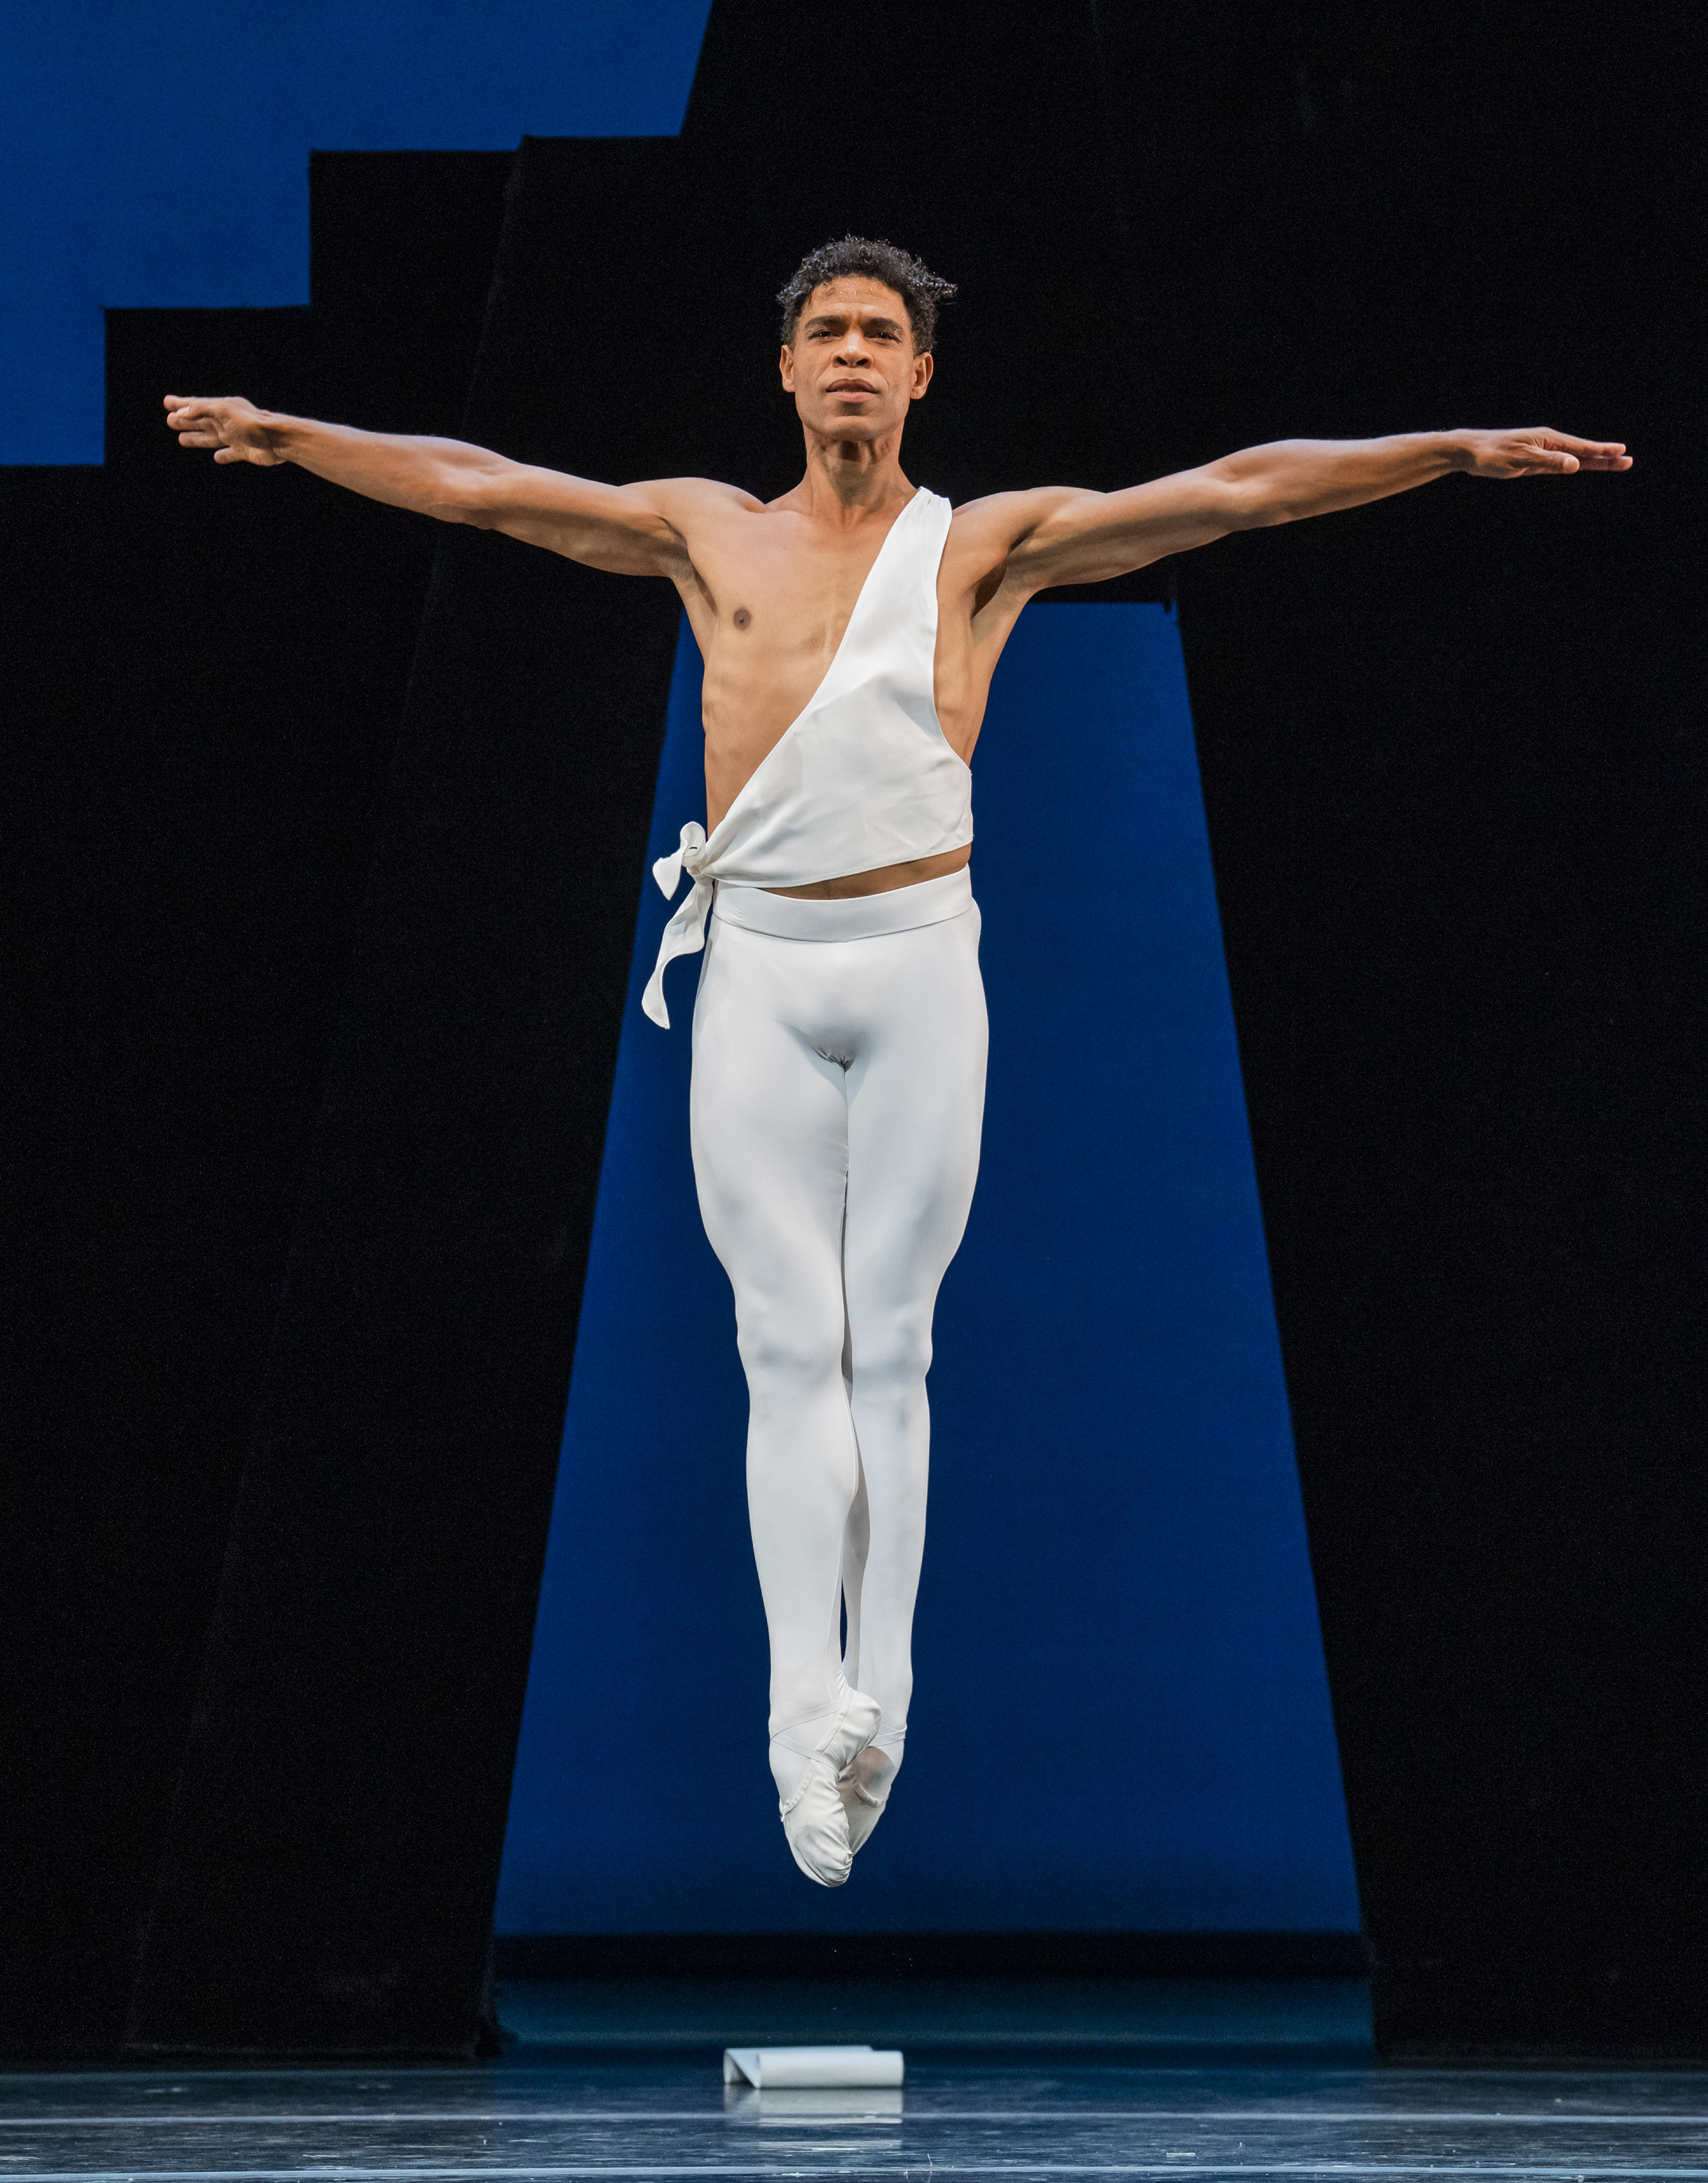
{"x": 769, "y": 592}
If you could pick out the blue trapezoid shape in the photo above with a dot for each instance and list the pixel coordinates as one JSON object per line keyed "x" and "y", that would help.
{"x": 1118, "y": 1647}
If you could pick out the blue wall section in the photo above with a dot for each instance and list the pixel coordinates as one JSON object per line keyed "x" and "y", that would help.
{"x": 1122, "y": 1719}
{"x": 160, "y": 156}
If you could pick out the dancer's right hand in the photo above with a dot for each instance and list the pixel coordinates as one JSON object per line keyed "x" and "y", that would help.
{"x": 236, "y": 429}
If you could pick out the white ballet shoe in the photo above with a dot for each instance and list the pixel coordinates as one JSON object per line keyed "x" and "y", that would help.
{"x": 808, "y": 1798}
{"x": 858, "y": 1785}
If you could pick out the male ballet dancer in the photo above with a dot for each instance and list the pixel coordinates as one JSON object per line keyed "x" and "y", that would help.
{"x": 850, "y": 631}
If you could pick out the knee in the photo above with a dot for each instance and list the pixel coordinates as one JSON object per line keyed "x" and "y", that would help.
{"x": 892, "y": 1354}
{"x": 788, "y": 1352}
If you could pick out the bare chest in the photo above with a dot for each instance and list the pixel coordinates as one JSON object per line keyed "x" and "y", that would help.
{"x": 770, "y": 604}
{"x": 773, "y": 612}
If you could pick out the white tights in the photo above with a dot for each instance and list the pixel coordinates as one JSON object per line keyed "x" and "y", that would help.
{"x": 839, "y": 1089}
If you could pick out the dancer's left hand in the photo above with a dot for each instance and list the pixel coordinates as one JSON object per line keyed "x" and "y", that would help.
{"x": 1539, "y": 451}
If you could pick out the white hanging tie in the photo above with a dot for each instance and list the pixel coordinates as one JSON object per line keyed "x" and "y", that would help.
{"x": 686, "y": 933}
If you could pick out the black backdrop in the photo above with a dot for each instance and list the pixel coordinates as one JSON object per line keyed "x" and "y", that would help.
{"x": 315, "y": 1021}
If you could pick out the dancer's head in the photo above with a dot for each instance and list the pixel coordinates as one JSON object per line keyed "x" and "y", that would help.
{"x": 858, "y": 324}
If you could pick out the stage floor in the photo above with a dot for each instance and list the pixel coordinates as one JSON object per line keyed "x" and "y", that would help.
{"x": 1153, "y": 2019}
{"x": 663, "y": 2117}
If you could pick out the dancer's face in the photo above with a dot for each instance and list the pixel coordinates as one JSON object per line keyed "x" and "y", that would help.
{"x": 851, "y": 366}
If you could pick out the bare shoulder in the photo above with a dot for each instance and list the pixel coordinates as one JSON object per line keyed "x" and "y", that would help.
{"x": 1000, "y": 514}
{"x": 983, "y": 534}
{"x": 691, "y": 497}
{"x": 1003, "y": 519}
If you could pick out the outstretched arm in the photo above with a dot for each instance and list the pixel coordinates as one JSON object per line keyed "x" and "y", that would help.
{"x": 626, "y": 529}
{"x": 1060, "y": 535}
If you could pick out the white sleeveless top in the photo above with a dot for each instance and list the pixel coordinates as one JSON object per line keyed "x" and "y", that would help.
{"x": 864, "y": 777}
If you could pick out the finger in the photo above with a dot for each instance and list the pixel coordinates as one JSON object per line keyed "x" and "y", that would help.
{"x": 1591, "y": 454}
{"x": 1530, "y": 459}
{"x": 1577, "y": 447}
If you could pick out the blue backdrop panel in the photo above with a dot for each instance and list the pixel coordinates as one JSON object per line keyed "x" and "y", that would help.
{"x": 1121, "y": 1717}
{"x": 163, "y": 158}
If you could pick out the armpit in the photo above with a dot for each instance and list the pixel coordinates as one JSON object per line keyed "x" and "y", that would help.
{"x": 988, "y": 587}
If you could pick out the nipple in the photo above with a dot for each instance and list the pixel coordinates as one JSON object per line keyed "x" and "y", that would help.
{"x": 742, "y": 617}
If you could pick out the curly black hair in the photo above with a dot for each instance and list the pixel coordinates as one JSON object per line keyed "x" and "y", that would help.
{"x": 917, "y": 286}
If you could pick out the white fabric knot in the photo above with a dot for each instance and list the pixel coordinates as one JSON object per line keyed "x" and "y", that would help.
{"x": 688, "y": 856}
{"x": 686, "y": 933}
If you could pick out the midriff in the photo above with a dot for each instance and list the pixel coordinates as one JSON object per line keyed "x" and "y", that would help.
{"x": 881, "y": 881}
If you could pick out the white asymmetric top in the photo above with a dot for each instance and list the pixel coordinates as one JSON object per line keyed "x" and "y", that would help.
{"x": 862, "y": 778}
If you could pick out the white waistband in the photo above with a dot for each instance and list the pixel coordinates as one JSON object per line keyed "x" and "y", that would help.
{"x": 847, "y": 917}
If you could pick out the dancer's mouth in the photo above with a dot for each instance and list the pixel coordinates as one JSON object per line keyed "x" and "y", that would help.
{"x": 851, "y": 389}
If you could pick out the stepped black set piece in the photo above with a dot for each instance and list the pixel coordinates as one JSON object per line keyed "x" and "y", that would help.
{"x": 324, "y": 832}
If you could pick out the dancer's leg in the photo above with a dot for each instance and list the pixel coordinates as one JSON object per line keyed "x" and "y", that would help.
{"x": 915, "y": 1090}
{"x": 770, "y": 1131}
{"x": 856, "y": 1541}
{"x": 838, "y": 1097}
